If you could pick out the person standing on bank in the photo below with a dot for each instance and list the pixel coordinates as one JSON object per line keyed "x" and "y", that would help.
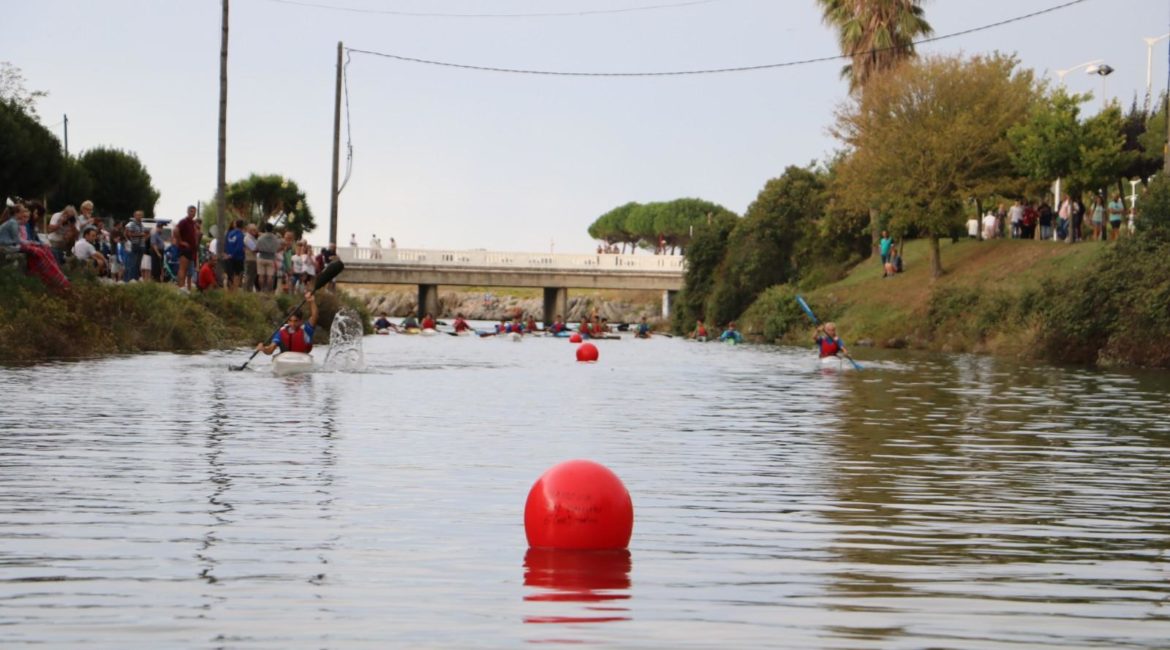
{"x": 297, "y": 334}
{"x": 186, "y": 238}
{"x": 884, "y": 245}
{"x": 136, "y": 236}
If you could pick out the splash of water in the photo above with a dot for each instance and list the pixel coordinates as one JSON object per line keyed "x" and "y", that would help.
{"x": 345, "y": 343}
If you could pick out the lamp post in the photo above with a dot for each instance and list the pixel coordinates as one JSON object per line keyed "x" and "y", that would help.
{"x": 1060, "y": 74}
{"x": 1102, "y": 70}
{"x": 1150, "y": 42}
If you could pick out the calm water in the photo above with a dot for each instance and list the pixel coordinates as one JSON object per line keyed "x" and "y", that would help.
{"x": 949, "y": 502}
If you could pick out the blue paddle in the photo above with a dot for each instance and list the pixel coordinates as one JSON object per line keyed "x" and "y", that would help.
{"x": 808, "y": 310}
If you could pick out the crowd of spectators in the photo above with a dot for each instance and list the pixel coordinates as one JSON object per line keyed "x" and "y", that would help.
{"x": 256, "y": 257}
{"x": 1072, "y": 221}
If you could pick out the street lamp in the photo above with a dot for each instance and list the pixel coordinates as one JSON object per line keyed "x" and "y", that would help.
{"x": 1150, "y": 42}
{"x": 1060, "y": 73}
{"x": 1103, "y": 70}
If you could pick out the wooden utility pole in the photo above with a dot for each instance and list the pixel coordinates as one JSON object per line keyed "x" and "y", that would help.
{"x": 221, "y": 173}
{"x": 336, "y": 148}
{"x": 66, "y": 135}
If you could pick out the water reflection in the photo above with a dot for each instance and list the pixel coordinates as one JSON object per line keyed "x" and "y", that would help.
{"x": 575, "y": 576}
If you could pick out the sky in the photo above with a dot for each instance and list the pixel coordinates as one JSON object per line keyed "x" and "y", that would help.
{"x": 460, "y": 159}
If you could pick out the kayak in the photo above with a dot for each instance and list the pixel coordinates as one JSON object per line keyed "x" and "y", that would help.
{"x": 834, "y": 363}
{"x": 515, "y": 337}
{"x": 411, "y": 330}
{"x": 563, "y": 334}
{"x": 384, "y": 331}
{"x": 430, "y": 331}
{"x": 291, "y": 363}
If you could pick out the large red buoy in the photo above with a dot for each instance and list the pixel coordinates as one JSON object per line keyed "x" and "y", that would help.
{"x": 575, "y": 337}
{"x": 587, "y": 352}
{"x": 579, "y": 504}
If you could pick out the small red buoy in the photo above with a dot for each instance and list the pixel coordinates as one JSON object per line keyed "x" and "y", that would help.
{"x": 587, "y": 352}
{"x": 575, "y": 337}
{"x": 579, "y": 504}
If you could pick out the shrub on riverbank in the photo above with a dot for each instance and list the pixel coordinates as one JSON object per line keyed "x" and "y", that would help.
{"x": 97, "y": 319}
{"x": 1092, "y": 303}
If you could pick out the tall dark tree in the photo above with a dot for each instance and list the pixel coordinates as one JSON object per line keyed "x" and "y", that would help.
{"x": 271, "y": 197}
{"x": 73, "y": 186}
{"x": 121, "y": 183}
{"x": 30, "y": 156}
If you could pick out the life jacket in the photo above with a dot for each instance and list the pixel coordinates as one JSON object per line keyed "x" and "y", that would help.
{"x": 702, "y": 331}
{"x": 294, "y": 343}
{"x": 428, "y": 323}
{"x": 829, "y": 346}
{"x": 460, "y": 325}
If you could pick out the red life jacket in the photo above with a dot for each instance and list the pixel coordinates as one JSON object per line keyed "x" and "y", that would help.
{"x": 460, "y": 325}
{"x": 702, "y": 331}
{"x": 829, "y": 346}
{"x": 428, "y": 324}
{"x": 297, "y": 343}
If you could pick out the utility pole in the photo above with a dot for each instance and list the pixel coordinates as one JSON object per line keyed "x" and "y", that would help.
{"x": 336, "y": 148}
{"x": 221, "y": 173}
{"x": 66, "y": 136}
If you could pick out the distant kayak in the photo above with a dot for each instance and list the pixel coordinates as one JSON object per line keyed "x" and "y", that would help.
{"x": 291, "y": 363}
{"x": 429, "y": 331}
{"x": 384, "y": 331}
{"x": 411, "y": 330}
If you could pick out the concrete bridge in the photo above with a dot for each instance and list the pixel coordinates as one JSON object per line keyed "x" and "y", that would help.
{"x": 555, "y": 273}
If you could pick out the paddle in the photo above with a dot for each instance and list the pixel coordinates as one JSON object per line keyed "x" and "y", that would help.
{"x": 332, "y": 271}
{"x": 807, "y": 310}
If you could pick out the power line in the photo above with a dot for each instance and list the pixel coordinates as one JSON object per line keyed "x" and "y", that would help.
{"x": 547, "y": 14}
{"x": 747, "y": 68}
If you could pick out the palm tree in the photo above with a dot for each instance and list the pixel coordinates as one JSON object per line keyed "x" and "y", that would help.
{"x": 876, "y": 34}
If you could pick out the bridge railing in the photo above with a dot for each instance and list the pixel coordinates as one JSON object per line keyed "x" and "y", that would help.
{"x": 672, "y": 264}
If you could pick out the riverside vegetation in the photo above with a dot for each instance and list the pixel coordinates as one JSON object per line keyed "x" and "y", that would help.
{"x": 98, "y": 318}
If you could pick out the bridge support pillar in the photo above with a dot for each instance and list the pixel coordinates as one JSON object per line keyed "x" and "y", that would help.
{"x": 428, "y": 300}
{"x": 556, "y": 301}
{"x": 667, "y": 303}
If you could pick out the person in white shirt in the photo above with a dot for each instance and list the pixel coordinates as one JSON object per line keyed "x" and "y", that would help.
{"x": 990, "y": 225}
{"x": 85, "y": 251}
{"x": 376, "y": 244}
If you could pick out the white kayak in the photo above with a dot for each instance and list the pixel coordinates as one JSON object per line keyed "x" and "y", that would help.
{"x": 291, "y": 363}
{"x": 515, "y": 337}
{"x": 429, "y": 331}
{"x": 834, "y": 363}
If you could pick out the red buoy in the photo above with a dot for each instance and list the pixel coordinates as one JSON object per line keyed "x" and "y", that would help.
{"x": 587, "y": 352}
{"x": 579, "y": 504}
{"x": 575, "y": 337}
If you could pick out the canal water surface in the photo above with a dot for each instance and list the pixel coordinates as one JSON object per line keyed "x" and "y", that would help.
{"x": 927, "y": 501}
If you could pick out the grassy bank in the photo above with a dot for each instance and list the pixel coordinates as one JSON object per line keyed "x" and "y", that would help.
{"x": 1095, "y": 303}
{"x": 98, "y": 319}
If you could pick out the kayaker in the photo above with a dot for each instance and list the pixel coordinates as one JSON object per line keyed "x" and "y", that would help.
{"x": 558, "y": 325}
{"x": 828, "y": 343}
{"x": 643, "y": 331}
{"x": 409, "y": 323}
{"x": 530, "y": 324}
{"x": 731, "y": 334}
{"x": 460, "y": 324}
{"x": 700, "y": 333}
{"x": 515, "y": 327}
{"x": 428, "y": 322}
{"x": 383, "y": 323}
{"x": 297, "y": 334}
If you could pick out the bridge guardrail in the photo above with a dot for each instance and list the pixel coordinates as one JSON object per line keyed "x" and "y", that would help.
{"x": 610, "y": 263}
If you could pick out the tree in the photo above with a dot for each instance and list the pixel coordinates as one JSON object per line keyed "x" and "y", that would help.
{"x": 760, "y": 251}
{"x": 704, "y": 256}
{"x": 611, "y": 226}
{"x": 677, "y": 220}
{"x": 73, "y": 186}
{"x": 12, "y": 90}
{"x": 929, "y": 134}
{"x": 1102, "y": 153}
{"x": 30, "y": 156}
{"x": 121, "y": 183}
{"x": 261, "y": 198}
{"x": 877, "y": 35}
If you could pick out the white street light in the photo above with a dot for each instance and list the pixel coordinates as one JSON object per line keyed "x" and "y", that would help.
{"x": 1060, "y": 73}
{"x": 1150, "y": 42}
{"x": 1103, "y": 70}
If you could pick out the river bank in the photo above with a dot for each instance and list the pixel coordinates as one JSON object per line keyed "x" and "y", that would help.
{"x": 1094, "y": 303}
{"x": 98, "y": 319}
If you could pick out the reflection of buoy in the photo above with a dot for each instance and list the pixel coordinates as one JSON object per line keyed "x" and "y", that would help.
{"x": 587, "y": 352}
{"x": 579, "y": 504}
{"x": 575, "y": 337}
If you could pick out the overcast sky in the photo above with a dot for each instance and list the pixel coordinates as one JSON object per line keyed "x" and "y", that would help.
{"x": 452, "y": 158}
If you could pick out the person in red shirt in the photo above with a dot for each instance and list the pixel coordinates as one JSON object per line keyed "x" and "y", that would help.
{"x": 187, "y": 240}
{"x": 428, "y": 322}
{"x": 206, "y": 276}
